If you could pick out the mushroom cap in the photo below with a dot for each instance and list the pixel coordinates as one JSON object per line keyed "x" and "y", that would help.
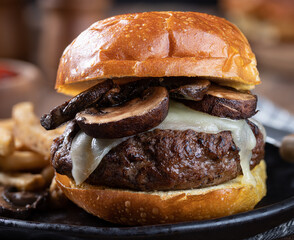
{"x": 158, "y": 44}
{"x": 137, "y": 115}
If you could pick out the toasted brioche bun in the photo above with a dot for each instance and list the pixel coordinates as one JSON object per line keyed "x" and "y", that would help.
{"x": 158, "y": 44}
{"x": 144, "y": 208}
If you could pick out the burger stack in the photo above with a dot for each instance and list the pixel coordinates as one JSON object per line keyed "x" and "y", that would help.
{"x": 159, "y": 129}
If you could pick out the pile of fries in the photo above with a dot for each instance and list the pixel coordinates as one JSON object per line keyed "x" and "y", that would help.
{"x": 25, "y": 150}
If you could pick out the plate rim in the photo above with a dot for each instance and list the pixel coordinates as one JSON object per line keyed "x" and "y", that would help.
{"x": 283, "y": 208}
{"x": 254, "y": 215}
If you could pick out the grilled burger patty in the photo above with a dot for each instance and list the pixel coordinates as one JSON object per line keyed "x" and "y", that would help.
{"x": 163, "y": 159}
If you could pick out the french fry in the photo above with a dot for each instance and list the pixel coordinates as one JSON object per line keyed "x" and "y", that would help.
{"x": 25, "y": 148}
{"x": 6, "y": 142}
{"x": 7, "y": 123}
{"x": 29, "y": 131}
{"x": 19, "y": 146}
{"x": 23, "y": 161}
{"x": 22, "y": 181}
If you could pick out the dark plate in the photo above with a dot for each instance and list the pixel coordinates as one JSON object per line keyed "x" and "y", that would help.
{"x": 73, "y": 223}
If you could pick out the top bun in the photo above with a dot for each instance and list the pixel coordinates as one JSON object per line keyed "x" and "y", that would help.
{"x": 158, "y": 44}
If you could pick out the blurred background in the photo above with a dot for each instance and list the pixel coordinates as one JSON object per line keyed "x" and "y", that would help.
{"x": 34, "y": 34}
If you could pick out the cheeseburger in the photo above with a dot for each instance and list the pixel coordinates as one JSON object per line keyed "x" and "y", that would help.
{"x": 159, "y": 129}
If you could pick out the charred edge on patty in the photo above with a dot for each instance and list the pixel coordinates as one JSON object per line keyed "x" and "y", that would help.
{"x": 163, "y": 159}
{"x": 160, "y": 159}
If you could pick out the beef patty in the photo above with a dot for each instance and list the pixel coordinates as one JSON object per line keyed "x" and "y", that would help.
{"x": 163, "y": 159}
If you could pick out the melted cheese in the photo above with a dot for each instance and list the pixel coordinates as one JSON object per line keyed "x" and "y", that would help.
{"x": 181, "y": 117}
{"x": 87, "y": 152}
{"x": 260, "y": 127}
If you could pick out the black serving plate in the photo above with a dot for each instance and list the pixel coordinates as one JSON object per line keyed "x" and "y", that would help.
{"x": 73, "y": 223}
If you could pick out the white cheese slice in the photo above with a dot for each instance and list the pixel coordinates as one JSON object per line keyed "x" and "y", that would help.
{"x": 260, "y": 127}
{"x": 87, "y": 152}
{"x": 181, "y": 117}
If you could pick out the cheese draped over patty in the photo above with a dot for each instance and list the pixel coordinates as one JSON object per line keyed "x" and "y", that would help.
{"x": 87, "y": 152}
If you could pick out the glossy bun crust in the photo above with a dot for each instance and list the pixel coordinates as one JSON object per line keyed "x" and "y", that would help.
{"x": 145, "y": 208}
{"x": 158, "y": 44}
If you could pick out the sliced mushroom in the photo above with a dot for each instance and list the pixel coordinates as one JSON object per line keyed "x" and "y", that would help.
{"x": 68, "y": 110}
{"x": 137, "y": 115}
{"x": 17, "y": 204}
{"x": 225, "y": 102}
{"x": 111, "y": 97}
{"x": 125, "y": 92}
{"x": 194, "y": 91}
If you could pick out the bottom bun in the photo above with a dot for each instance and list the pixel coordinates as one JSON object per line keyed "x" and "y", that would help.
{"x": 145, "y": 208}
